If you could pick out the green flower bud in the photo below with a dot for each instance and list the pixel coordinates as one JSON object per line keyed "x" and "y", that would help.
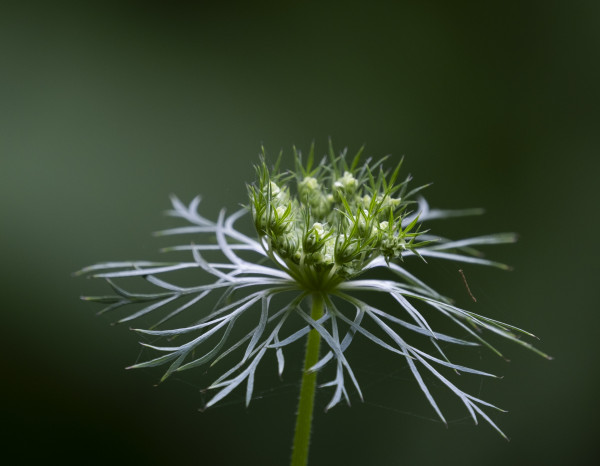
{"x": 287, "y": 245}
{"x": 346, "y": 184}
{"x": 308, "y": 188}
{"x": 314, "y": 239}
{"x": 346, "y": 250}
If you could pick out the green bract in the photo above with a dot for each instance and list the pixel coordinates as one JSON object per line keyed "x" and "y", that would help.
{"x": 318, "y": 229}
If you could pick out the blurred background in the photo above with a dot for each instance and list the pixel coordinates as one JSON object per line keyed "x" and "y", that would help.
{"x": 106, "y": 109}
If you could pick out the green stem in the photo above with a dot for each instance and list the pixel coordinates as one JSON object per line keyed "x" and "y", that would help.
{"x": 307, "y": 390}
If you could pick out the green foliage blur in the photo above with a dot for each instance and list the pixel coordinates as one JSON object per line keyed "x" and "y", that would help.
{"x": 107, "y": 108}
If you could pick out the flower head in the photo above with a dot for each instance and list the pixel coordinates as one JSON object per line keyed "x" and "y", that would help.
{"x": 318, "y": 229}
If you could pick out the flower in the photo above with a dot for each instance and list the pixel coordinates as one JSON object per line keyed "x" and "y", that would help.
{"x": 319, "y": 230}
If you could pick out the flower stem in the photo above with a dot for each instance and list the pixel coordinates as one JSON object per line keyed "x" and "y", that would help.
{"x": 307, "y": 390}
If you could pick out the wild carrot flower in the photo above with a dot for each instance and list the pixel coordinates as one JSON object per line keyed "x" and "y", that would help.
{"x": 319, "y": 229}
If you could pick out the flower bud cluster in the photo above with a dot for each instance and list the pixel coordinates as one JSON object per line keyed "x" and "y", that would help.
{"x": 339, "y": 220}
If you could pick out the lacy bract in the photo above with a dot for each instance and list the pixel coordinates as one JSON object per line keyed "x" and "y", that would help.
{"x": 319, "y": 228}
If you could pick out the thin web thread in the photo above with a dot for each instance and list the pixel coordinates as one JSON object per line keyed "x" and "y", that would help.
{"x": 370, "y": 380}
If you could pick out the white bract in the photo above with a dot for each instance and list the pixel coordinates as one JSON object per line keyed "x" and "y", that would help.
{"x": 319, "y": 229}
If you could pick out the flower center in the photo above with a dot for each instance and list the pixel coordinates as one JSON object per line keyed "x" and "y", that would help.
{"x": 337, "y": 221}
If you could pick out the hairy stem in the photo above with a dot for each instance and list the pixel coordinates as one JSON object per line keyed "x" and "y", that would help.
{"x": 307, "y": 390}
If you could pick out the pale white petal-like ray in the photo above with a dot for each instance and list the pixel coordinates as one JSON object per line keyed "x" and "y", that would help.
{"x": 250, "y": 280}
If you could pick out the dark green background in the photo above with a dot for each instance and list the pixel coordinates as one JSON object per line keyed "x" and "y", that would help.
{"x": 106, "y": 109}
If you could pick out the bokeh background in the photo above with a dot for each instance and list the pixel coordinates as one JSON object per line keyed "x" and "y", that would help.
{"x": 107, "y": 108}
